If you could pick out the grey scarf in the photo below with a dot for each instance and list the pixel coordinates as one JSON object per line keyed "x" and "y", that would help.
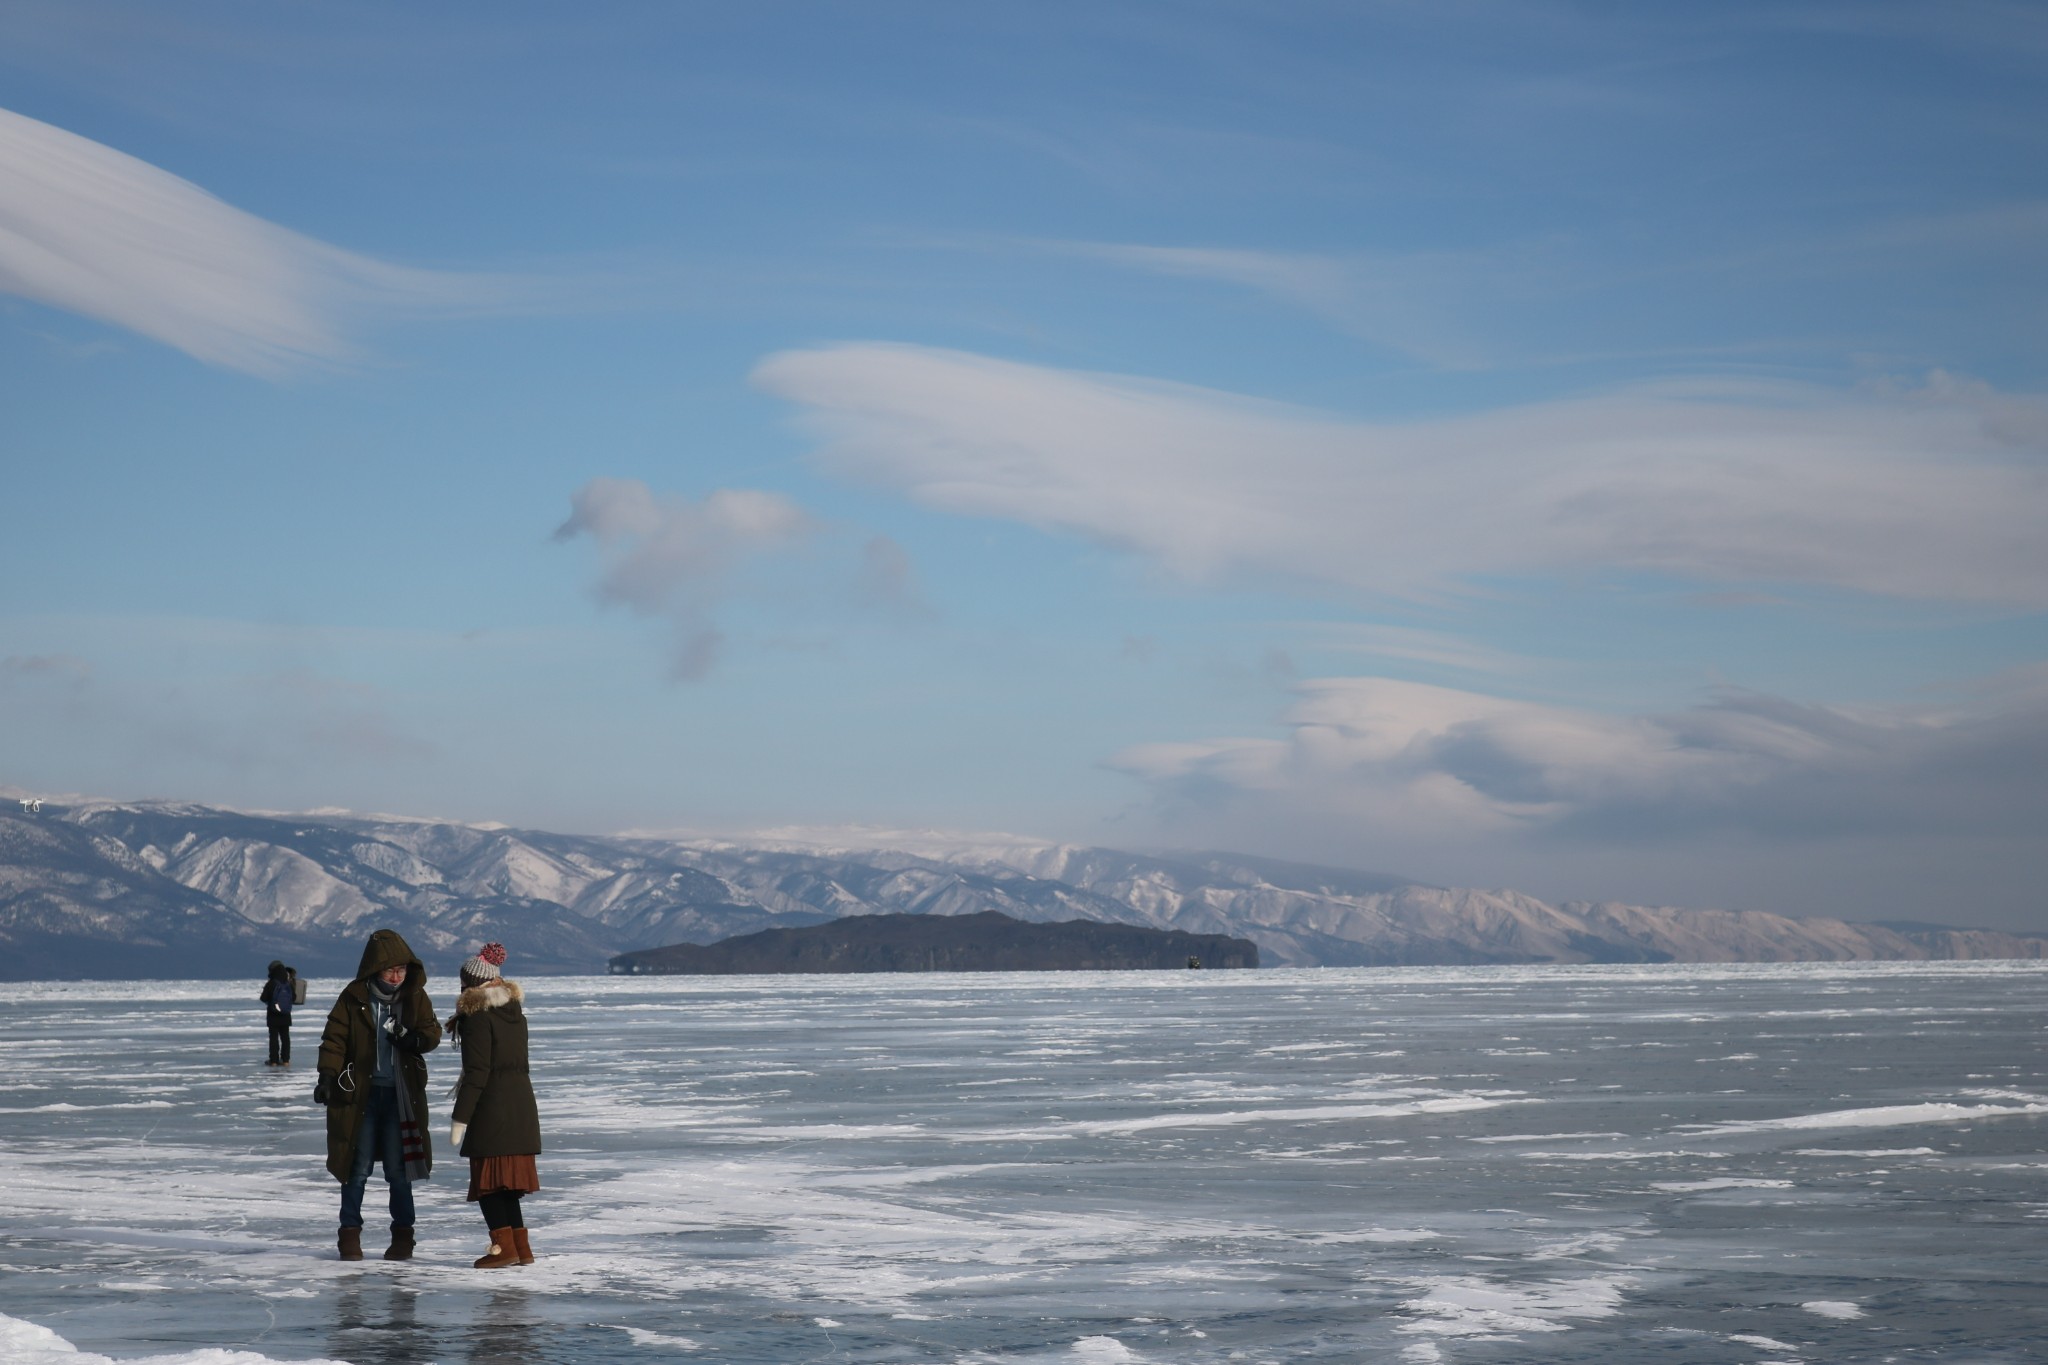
{"x": 384, "y": 1007}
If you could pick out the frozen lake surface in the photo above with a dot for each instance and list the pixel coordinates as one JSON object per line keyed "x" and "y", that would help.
{"x": 1622, "y": 1164}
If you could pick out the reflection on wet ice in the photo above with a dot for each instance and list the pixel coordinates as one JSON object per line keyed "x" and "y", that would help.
{"x": 376, "y": 1322}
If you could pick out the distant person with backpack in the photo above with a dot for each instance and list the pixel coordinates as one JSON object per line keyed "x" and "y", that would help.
{"x": 496, "y": 1123}
{"x": 280, "y": 992}
{"x": 373, "y": 1080}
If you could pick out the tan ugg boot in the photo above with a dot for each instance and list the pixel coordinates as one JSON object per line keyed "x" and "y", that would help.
{"x": 351, "y": 1241}
{"x": 519, "y": 1244}
{"x": 502, "y": 1253}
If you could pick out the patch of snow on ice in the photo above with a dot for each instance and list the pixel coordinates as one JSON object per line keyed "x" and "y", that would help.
{"x": 1720, "y": 1183}
{"x": 1456, "y": 1104}
{"x": 1618, "y": 1156}
{"x": 1468, "y": 1306}
{"x": 1833, "y": 1308}
{"x": 1382, "y": 1236}
{"x": 1547, "y": 1137}
{"x": 25, "y": 1343}
{"x": 1103, "y": 1348}
{"x": 1876, "y": 1152}
{"x": 1882, "y": 1116}
{"x": 1585, "y": 1244}
{"x": 642, "y": 1337}
{"x": 67, "y": 1108}
{"x": 1765, "y": 1342}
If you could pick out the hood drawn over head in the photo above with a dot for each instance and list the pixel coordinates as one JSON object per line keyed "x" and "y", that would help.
{"x": 387, "y": 948}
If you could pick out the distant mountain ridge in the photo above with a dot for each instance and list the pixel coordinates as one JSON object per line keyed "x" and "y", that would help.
{"x": 106, "y": 889}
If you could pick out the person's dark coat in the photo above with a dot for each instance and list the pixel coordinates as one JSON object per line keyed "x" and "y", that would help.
{"x": 279, "y": 992}
{"x": 348, "y": 1047}
{"x": 495, "y": 1097}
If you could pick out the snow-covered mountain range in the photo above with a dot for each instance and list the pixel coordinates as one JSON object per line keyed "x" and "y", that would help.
{"x": 103, "y": 889}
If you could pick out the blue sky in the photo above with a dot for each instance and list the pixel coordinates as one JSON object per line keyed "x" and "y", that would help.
{"x": 1593, "y": 449}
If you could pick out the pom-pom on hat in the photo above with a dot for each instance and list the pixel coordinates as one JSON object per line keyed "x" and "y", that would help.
{"x": 484, "y": 966}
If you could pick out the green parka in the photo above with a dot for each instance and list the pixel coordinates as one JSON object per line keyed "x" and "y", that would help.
{"x": 348, "y": 1047}
{"x": 496, "y": 1095}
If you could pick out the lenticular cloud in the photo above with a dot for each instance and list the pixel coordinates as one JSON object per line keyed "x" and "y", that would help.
{"x": 1387, "y": 753}
{"x": 94, "y": 231}
{"x": 1937, "y": 494}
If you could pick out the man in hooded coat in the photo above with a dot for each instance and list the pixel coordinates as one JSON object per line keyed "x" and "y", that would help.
{"x": 373, "y": 1080}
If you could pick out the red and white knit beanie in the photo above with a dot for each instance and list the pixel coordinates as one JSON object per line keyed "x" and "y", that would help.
{"x": 484, "y": 966}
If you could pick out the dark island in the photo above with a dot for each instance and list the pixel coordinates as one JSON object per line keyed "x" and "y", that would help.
{"x": 987, "y": 942}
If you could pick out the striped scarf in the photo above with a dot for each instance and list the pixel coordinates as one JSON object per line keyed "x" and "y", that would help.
{"x": 412, "y": 1137}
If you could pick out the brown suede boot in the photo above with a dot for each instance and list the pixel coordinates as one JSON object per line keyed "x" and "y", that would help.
{"x": 351, "y": 1240}
{"x": 501, "y": 1254}
{"x": 401, "y": 1245}
{"x": 519, "y": 1244}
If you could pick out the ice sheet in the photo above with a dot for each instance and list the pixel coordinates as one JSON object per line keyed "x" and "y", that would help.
{"x": 1185, "y": 1168}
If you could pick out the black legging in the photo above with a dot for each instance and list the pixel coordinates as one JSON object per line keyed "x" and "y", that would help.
{"x": 501, "y": 1209}
{"x": 281, "y": 1044}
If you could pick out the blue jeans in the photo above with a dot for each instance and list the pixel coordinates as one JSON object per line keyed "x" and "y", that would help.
{"x": 377, "y": 1140}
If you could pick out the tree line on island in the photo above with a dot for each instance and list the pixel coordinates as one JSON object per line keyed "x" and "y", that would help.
{"x": 986, "y": 942}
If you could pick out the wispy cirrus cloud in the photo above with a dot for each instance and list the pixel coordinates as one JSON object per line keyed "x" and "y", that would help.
{"x": 1417, "y": 304}
{"x": 1591, "y": 295}
{"x": 1936, "y": 493}
{"x": 1378, "y": 640}
{"x": 94, "y": 231}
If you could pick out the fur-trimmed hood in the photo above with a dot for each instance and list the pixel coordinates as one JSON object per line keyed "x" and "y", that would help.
{"x": 489, "y": 996}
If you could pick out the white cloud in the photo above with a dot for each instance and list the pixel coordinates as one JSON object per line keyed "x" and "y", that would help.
{"x": 1414, "y": 303}
{"x": 669, "y": 557}
{"x": 1441, "y": 763}
{"x": 1421, "y": 646}
{"x": 1935, "y": 494}
{"x": 90, "y": 230}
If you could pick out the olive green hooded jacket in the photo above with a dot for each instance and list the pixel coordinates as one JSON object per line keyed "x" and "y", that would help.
{"x": 348, "y": 1047}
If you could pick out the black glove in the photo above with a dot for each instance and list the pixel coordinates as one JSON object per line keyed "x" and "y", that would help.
{"x": 323, "y": 1093}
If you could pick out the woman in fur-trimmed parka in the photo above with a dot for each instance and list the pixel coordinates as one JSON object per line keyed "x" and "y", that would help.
{"x": 497, "y": 1123}
{"x": 373, "y": 1080}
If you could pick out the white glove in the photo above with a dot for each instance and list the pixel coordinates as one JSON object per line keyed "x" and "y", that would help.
{"x": 392, "y": 1027}
{"x": 455, "y": 1132}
